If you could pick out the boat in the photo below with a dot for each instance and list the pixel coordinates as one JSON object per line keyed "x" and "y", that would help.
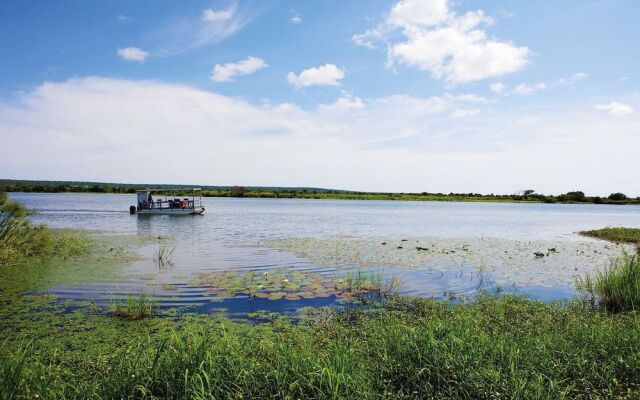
{"x": 168, "y": 202}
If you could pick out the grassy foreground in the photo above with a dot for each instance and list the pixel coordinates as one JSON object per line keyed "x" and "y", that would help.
{"x": 493, "y": 348}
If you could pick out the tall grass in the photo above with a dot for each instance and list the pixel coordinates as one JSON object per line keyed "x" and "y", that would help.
{"x": 413, "y": 349}
{"x": 615, "y": 288}
{"x": 360, "y": 282}
{"x": 19, "y": 239}
{"x": 133, "y": 307}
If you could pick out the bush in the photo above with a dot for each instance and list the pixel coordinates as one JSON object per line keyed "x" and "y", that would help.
{"x": 617, "y": 196}
{"x": 237, "y": 191}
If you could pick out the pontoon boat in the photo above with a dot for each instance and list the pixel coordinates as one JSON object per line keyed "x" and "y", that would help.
{"x": 168, "y": 202}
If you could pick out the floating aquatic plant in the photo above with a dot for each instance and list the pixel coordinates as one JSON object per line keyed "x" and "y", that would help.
{"x": 292, "y": 284}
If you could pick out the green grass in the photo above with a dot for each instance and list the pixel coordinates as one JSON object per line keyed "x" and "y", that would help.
{"x": 363, "y": 282}
{"x": 20, "y": 240}
{"x": 494, "y": 348}
{"x": 615, "y": 288}
{"x": 134, "y": 307}
{"x": 617, "y": 235}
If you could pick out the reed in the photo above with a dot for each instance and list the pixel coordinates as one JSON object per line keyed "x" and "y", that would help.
{"x": 616, "y": 288}
{"x": 163, "y": 257}
{"x": 20, "y": 240}
{"x": 361, "y": 282}
{"x": 133, "y": 307}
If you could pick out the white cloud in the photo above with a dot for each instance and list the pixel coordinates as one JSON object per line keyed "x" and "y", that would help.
{"x": 573, "y": 79}
{"x": 123, "y": 18}
{"x": 452, "y": 47}
{"x": 227, "y": 72}
{"x": 210, "y": 15}
{"x": 296, "y": 18}
{"x": 469, "y": 97}
{"x": 525, "y": 89}
{"x": 133, "y": 54}
{"x": 324, "y": 75}
{"x": 345, "y": 102}
{"x": 497, "y": 87}
{"x": 615, "y": 109}
{"x": 182, "y": 34}
{"x": 462, "y": 113}
{"x": 117, "y": 130}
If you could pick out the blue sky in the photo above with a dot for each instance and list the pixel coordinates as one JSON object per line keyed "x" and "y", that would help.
{"x": 408, "y": 95}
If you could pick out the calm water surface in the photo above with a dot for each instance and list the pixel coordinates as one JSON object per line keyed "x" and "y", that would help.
{"x": 229, "y": 236}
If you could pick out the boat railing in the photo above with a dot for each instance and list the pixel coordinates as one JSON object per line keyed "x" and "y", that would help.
{"x": 170, "y": 204}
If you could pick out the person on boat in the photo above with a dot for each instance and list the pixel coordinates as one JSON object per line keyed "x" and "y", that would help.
{"x": 150, "y": 200}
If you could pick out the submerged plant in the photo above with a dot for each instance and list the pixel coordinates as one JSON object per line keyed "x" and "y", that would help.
{"x": 163, "y": 257}
{"x": 134, "y": 307}
{"x": 616, "y": 287}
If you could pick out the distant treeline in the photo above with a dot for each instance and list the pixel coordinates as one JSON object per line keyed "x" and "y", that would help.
{"x": 312, "y": 193}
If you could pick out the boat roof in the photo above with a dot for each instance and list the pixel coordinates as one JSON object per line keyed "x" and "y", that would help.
{"x": 171, "y": 190}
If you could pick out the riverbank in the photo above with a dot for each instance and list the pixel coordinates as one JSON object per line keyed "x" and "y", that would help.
{"x": 527, "y": 196}
{"x": 406, "y": 348}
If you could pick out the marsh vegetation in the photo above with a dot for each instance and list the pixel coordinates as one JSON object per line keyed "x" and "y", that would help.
{"x": 20, "y": 240}
{"x": 615, "y": 288}
{"x": 616, "y": 235}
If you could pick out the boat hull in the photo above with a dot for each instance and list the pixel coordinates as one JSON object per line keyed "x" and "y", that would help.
{"x": 172, "y": 211}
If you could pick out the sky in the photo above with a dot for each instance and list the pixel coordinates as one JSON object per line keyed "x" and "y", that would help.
{"x": 481, "y": 96}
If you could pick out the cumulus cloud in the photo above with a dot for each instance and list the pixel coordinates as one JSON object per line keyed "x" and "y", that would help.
{"x": 324, "y": 75}
{"x": 497, "y": 87}
{"x": 462, "y": 113}
{"x": 469, "y": 97}
{"x": 451, "y": 47}
{"x": 615, "y": 109}
{"x": 345, "y": 102}
{"x": 108, "y": 129}
{"x": 133, "y": 54}
{"x": 227, "y": 72}
{"x": 525, "y": 89}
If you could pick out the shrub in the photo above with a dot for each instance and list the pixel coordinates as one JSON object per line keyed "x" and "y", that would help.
{"x": 237, "y": 191}
{"x": 617, "y": 196}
